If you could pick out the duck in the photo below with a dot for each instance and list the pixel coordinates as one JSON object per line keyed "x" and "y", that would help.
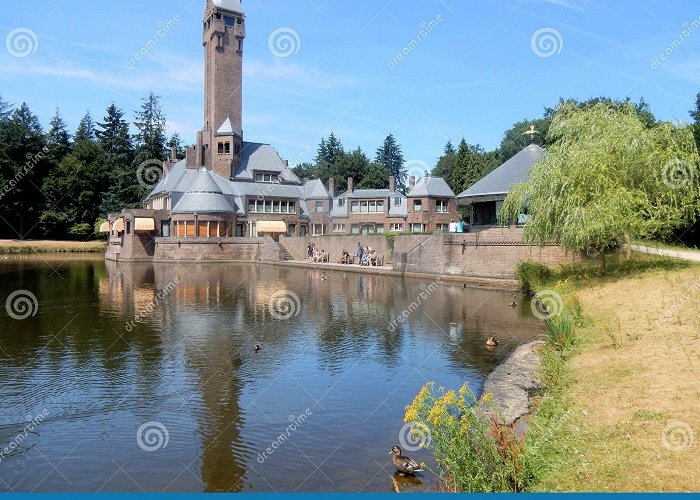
{"x": 405, "y": 465}
{"x": 513, "y": 304}
{"x": 492, "y": 342}
{"x": 257, "y": 347}
{"x": 324, "y": 277}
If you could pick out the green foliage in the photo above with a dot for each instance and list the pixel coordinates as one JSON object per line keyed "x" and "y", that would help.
{"x": 58, "y": 138}
{"x": 465, "y": 166}
{"x": 607, "y": 178}
{"x": 515, "y": 139}
{"x": 390, "y": 156}
{"x": 81, "y": 230}
{"x": 113, "y": 135}
{"x": 532, "y": 274}
{"x": 86, "y": 129}
{"x": 475, "y": 451}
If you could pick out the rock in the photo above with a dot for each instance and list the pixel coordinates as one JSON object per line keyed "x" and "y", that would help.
{"x": 514, "y": 380}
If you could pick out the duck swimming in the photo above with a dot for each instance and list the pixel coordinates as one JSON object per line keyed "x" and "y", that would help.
{"x": 492, "y": 342}
{"x": 405, "y": 465}
{"x": 257, "y": 347}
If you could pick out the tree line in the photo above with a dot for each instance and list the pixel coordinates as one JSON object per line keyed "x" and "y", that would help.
{"x": 57, "y": 184}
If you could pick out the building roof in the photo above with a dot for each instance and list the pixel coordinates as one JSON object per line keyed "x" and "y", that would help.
{"x": 228, "y": 128}
{"x": 428, "y": 187}
{"x": 372, "y": 193}
{"x": 232, "y": 5}
{"x": 203, "y": 203}
{"x": 315, "y": 190}
{"x": 262, "y": 158}
{"x": 512, "y": 172}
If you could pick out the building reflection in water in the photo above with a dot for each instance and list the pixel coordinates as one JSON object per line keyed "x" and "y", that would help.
{"x": 214, "y": 314}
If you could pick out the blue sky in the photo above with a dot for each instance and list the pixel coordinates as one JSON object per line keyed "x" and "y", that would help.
{"x": 478, "y": 70}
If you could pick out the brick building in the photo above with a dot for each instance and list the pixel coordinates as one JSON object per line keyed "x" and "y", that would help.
{"x": 227, "y": 187}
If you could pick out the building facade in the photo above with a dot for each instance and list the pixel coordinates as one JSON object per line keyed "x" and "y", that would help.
{"x": 227, "y": 187}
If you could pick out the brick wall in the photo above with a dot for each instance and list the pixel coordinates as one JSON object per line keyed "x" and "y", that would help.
{"x": 490, "y": 254}
{"x": 334, "y": 245}
{"x": 217, "y": 249}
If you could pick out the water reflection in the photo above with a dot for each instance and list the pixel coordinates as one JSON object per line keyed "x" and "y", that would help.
{"x": 115, "y": 346}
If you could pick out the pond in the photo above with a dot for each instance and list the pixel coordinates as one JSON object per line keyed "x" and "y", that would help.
{"x": 144, "y": 377}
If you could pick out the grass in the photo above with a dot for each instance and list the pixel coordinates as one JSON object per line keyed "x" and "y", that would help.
{"x": 27, "y": 247}
{"x": 630, "y": 377}
{"x": 664, "y": 245}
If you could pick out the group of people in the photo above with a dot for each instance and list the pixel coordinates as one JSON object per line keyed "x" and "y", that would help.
{"x": 366, "y": 256}
{"x": 315, "y": 255}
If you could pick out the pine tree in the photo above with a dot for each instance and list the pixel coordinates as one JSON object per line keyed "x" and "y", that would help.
{"x": 176, "y": 142}
{"x": 58, "y": 138}
{"x": 390, "y": 156}
{"x": 150, "y": 140}
{"x": 86, "y": 129}
{"x": 25, "y": 163}
{"x": 113, "y": 135}
{"x": 449, "y": 149}
{"x": 695, "y": 115}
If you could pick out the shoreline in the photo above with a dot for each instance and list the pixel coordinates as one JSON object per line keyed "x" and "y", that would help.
{"x": 28, "y": 247}
{"x": 514, "y": 381}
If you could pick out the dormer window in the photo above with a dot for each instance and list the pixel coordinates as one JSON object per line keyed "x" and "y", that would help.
{"x": 397, "y": 201}
{"x": 267, "y": 177}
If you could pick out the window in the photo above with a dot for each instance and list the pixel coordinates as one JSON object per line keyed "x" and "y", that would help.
{"x": 441, "y": 206}
{"x": 380, "y": 207}
{"x": 266, "y": 177}
{"x": 363, "y": 207}
{"x": 356, "y": 207}
{"x": 355, "y": 229}
{"x": 221, "y": 148}
{"x": 253, "y": 230}
{"x": 418, "y": 206}
{"x": 380, "y": 229}
{"x": 417, "y": 228}
{"x": 338, "y": 228}
{"x": 397, "y": 201}
{"x": 268, "y": 207}
{"x": 397, "y": 228}
{"x": 341, "y": 202}
{"x": 229, "y": 21}
{"x": 319, "y": 207}
{"x": 442, "y": 228}
{"x": 276, "y": 207}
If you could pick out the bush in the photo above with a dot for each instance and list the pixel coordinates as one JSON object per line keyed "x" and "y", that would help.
{"x": 532, "y": 274}
{"x": 475, "y": 451}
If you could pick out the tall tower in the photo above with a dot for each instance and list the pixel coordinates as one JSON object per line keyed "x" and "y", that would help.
{"x": 222, "y": 137}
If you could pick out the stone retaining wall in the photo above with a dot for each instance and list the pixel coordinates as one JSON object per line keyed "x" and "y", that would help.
{"x": 334, "y": 245}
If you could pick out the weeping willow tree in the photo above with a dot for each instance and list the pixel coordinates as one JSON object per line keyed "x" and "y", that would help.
{"x": 607, "y": 178}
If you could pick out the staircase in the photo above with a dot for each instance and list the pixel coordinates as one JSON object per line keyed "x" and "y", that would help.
{"x": 286, "y": 254}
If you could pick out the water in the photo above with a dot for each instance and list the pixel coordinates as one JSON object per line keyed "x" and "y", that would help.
{"x": 112, "y": 348}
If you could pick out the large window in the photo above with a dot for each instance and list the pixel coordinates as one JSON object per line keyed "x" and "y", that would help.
{"x": 397, "y": 228}
{"x": 372, "y": 207}
{"x": 319, "y": 207}
{"x": 338, "y": 228}
{"x": 355, "y": 229}
{"x": 417, "y": 228}
{"x": 271, "y": 206}
{"x": 442, "y": 206}
{"x": 267, "y": 177}
{"x": 418, "y": 206}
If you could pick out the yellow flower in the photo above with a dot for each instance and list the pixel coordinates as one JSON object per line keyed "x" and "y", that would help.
{"x": 463, "y": 390}
{"x": 450, "y": 397}
{"x": 487, "y": 397}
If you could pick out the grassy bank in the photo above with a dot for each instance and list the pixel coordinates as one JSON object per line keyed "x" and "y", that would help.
{"x": 27, "y": 247}
{"x": 621, "y": 408}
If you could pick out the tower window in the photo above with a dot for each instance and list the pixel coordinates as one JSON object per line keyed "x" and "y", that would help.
{"x": 240, "y": 45}
{"x": 229, "y": 21}
{"x": 227, "y": 148}
{"x": 221, "y": 148}
{"x": 218, "y": 16}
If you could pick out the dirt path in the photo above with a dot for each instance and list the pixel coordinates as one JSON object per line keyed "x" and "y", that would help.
{"x": 691, "y": 255}
{"x": 636, "y": 388}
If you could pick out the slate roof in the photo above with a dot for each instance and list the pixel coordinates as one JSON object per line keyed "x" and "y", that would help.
{"x": 227, "y": 128}
{"x": 512, "y": 172}
{"x": 262, "y": 158}
{"x": 431, "y": 187}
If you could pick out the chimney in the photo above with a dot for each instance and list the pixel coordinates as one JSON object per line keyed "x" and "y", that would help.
{"x": 392, "y": 184}
{"x": 331, "y": 187}
{"x": 351, "y": 185}
{"x": 411, "y": 182}
{"x": 286, "y": 163}
{"x": 173, "y": 154}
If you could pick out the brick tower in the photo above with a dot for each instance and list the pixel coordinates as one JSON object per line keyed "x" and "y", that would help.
{"x": 220, "y": 142}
